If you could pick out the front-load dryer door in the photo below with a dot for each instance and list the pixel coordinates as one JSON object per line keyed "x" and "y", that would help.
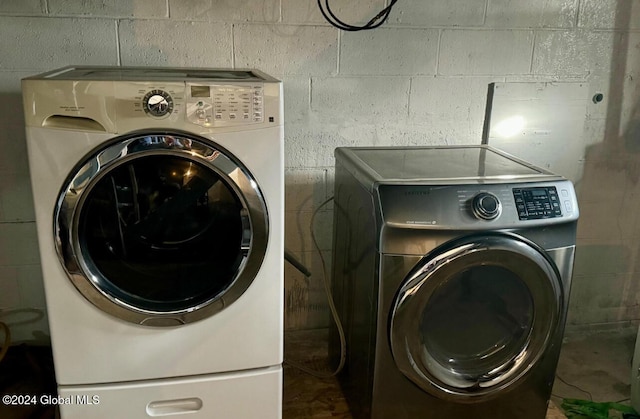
{"x": 161, "y": 229}
{"x": 475, "y": 315}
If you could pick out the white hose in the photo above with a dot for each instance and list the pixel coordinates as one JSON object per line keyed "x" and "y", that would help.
{"x": 332, "y": 308}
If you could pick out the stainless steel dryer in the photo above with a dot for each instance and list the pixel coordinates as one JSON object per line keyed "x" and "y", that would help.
{"x": 451, "y": 272}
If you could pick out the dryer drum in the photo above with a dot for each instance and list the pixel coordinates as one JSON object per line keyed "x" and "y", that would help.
{"x": 475, "y": 315}
{"x": 161, "y": 226}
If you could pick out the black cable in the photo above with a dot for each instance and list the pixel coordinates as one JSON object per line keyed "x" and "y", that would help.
{"x": 7, "y": 340}
{"x": 574, "y": 386}
{"x": 334, "y": 20}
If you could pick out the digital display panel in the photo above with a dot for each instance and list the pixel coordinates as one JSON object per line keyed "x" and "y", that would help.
{"x": 537, "y": 203}
{"x": 200, "y": 91}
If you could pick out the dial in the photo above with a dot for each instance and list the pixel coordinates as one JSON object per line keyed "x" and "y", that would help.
{"x": 486, "y": 206}
{"x": 157, "y": 103}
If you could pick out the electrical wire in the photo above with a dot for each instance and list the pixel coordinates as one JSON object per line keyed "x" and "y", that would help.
{"x": 332, "y": 308}
{"x": 7, "y": 340}
{"x": 373, "y": 23}
{"x": 574, "y": 386}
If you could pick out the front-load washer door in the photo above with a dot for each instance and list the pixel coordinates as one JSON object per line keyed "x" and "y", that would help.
{"x": 475, "y": 315}
{"x": 161, "y": 229}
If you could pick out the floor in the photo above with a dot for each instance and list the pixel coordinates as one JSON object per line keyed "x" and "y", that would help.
{"x": 27, "y": 371}
{"x": 592, "y": 367}
{"x": 596, "y": 367}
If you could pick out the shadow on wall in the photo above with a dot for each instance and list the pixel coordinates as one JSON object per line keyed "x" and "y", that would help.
{"x": 606, "y": 283}
{"x": 12, "y": 139}
{"x": 22, "y": 305}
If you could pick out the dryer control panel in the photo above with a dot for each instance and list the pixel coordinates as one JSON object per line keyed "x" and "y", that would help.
{"x": 477, "y": 206}
{"x": 537, "y": 203}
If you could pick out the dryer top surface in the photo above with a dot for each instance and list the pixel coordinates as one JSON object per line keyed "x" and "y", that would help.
{"x": 439, "y": 164}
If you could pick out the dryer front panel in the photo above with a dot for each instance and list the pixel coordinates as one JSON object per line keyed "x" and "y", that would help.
{"x": 475, "y": 315}
{"x": 161, "y": 229}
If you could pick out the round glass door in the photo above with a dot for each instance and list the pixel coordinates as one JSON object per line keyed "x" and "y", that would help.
{"x": 161, "y": 229}
{"x": 475, "y": 316}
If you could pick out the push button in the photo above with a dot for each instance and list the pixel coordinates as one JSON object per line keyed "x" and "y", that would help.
{"x": 568, "y": 206}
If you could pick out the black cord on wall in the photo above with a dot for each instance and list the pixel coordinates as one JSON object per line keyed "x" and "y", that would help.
{"x": 375, "y": 22}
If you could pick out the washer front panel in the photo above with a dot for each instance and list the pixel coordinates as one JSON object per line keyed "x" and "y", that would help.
{"x": 475, "y": 315}
{"x": 161, "y": 229}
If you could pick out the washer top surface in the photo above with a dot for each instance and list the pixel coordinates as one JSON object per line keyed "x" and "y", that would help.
{"x": 154, "y": 74}
{"x": 452, "y": 164}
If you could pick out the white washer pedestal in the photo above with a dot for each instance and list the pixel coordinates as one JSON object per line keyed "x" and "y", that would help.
{"x": 247, "y": 394}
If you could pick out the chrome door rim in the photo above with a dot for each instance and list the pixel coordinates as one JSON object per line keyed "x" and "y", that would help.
{"x": 123, "y": 149}
{"x": 546, "y": 290}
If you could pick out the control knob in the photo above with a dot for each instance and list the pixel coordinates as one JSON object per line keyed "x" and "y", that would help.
{"x": 486, "y": 206}
{"x": 157, "y": 103}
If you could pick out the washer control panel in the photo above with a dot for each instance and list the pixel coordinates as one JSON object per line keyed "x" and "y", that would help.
{"x": 536, "y": 203}
{"x": 220, "y": 104}
{"x": 195, "y": 105}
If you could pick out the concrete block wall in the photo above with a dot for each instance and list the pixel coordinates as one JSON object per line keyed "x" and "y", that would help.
{"x": 420, "y": 79}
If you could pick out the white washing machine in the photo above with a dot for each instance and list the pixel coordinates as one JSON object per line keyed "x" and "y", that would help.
{"x": 159, "y": 206}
